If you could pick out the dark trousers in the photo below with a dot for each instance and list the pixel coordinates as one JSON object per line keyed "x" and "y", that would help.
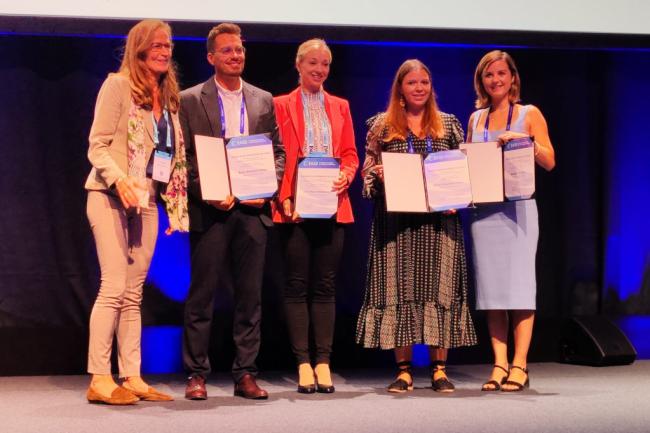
{"x": 313, "y": 251}
{"x": 235, "y": 243}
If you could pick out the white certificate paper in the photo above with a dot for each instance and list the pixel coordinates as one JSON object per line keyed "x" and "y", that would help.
{"x": 485, "y": 161}
{"x": 314, "y": 195}
{"x": 404, "y": 182}
{"x": 447, "y": 178}
{"x": 519, "y": 169}
{"x": 252, "y": 167}
{"x": 212, "y": 166}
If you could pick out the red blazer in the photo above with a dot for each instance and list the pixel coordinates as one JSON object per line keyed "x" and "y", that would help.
{"x": 288, "y": 112}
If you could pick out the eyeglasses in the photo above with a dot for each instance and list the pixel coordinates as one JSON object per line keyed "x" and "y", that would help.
{"x": 229, "y": 51}
{"x": 157, "y": 47}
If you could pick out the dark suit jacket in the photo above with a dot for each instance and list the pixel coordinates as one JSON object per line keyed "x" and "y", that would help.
{"x": 199, "y": 115}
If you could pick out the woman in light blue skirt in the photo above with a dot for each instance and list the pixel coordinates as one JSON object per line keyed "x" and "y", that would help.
{"x": 504, "y": 235}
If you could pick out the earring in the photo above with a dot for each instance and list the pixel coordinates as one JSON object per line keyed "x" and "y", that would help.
{"x": 402, "y": 102}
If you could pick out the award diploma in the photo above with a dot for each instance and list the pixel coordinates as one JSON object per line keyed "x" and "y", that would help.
{"x": 212, "y": 167}
{"x": 519, "y": 169}
{"x": 251, "y": 165}
{"x": 447, "y": 180}
{"x": 314, "y": 196}
{"x": 404, "y": 182}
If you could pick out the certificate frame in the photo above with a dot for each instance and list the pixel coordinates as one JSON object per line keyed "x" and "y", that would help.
{"x": 404, "y": 184}
{"x": 310, "y": 204}
{"x": 212, "y": 167}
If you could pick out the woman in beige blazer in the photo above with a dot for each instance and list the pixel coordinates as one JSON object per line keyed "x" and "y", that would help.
{"x": 137, "y": 153}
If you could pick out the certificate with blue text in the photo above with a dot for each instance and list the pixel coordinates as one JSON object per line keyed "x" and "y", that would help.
{"x": 519, "y": 169}
{"x": 251, "y": 165}
{"x": 447, "y": 179}
{"x": 314, "y": 197}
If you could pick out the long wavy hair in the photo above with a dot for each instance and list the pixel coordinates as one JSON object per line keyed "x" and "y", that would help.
{"x": 396, "y": 113}
{"x": 138, "y": 44}
{"x": 482, "y": 97}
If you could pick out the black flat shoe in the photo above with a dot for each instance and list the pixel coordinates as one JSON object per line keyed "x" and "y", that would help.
{"x": 493, "y": 385}
{"x": 400, "y": 385}
{"x": 517, "y": 386}
{"x": 442, "y": 384}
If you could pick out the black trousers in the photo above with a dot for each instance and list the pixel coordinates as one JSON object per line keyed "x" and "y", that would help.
{"x": 235, "y": 243}
{"x": 313, "y": 251}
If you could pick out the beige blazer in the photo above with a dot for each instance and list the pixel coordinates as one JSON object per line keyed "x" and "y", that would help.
{"x": 108, "y": 146}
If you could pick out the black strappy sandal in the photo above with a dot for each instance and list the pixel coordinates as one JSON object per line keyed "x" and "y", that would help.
{"x": 443, "y": 384}
{"x": 518, "y": 386}
{"x": 496, "y": 386}
{"x": 400, "y": 385}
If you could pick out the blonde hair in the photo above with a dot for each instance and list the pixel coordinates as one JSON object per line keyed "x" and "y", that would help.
{"x": 396, "y": 113}
{"x": 312, "y": 44}
{"x": 482, "y": 97}
{"x": 138, "y": 44}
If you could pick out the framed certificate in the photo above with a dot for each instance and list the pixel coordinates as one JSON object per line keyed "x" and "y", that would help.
{"x": 251, "y": 165}
{"x": 212, "y": 167}
{"x": 519, "y": 169}
{"x": 447, "y": 180}
{"x": 314, "y": 196}
{"x": 404, "y": 184}
{"x": 485, "y": 162}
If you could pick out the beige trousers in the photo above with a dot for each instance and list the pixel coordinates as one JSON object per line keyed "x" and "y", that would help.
{"x": 125, "y": 243}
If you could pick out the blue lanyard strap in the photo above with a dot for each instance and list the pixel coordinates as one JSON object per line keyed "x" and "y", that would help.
{"x": 487, "y": 122}
{"x": 411, "y": 149}
{"x": 223, "y": 115}
{"x": 161, "y": 131}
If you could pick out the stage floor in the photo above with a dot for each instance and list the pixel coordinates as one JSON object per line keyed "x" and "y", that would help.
{"x": 562, "y": 399}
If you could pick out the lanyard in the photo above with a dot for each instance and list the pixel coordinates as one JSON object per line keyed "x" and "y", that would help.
{"x": 411, "y": 149}
{"x": 161, "y": 128}
{"x": 223, "y": 116}
{"x": 487, "y": 122}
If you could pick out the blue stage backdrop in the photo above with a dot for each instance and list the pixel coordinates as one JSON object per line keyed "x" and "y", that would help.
{"x": 592, "y": 206}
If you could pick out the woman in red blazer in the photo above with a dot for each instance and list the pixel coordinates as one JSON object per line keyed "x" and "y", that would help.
{"x": 313, "y": 122}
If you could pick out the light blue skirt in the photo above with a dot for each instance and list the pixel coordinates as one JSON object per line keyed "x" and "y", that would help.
{"x": 504, "y": 244}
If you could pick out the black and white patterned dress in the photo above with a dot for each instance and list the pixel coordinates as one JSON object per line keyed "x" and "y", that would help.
{"x": 416, "y": 286}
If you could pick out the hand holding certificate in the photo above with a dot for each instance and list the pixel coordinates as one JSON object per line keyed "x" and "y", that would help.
{"x": 315, "y": 197}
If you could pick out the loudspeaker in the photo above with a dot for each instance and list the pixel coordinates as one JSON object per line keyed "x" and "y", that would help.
{"x": 595, "y": 340}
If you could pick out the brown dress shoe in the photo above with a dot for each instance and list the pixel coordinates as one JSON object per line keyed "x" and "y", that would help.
{"x": 119, "y": 396}
{"x": 195, "y": 389}
{"x": 247, "y": 388}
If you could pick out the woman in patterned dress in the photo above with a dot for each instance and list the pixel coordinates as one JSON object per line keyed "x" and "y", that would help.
{"x": 416, "y": 287}
{"x": 504, "y": 235}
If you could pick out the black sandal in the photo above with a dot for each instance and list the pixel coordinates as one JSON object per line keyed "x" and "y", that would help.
{"x": 517, "y": 386}
{"x": 496, "y": 386}
{"x": 400, "y": 385}
{"x": 442, "y": 384}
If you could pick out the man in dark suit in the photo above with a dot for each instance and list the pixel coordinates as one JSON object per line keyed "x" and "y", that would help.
{"x": 229, "y": 235}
